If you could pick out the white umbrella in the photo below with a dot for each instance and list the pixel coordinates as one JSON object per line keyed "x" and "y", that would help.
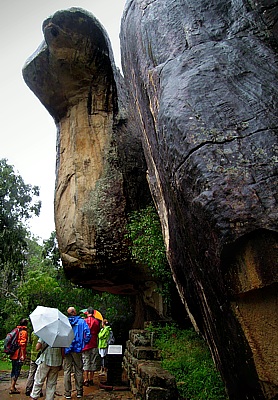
{"x": 52, "y": 326}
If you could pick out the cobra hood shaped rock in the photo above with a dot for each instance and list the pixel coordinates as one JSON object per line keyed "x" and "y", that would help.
{"x": 100, "y": 171}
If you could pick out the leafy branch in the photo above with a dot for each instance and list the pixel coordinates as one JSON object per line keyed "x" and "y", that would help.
{"x": 147, "y": 246}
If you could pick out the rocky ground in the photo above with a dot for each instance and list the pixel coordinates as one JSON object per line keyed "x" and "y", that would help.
{"x": 99, "y": 391}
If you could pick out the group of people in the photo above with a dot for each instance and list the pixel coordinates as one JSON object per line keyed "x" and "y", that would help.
{"x": 86, "y": 355}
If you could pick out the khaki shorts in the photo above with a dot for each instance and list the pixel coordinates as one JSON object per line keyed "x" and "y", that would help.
{"x": 91, "y": 360}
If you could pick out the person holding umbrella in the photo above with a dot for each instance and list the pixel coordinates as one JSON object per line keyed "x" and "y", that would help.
{"x": 55, "y": 332}
{"x": 49, "y": 365}
{"x": 73, "y": 353}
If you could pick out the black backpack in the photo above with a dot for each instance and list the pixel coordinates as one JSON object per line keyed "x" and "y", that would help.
{"x": 11, "y": 342}
{"x": 111, "y": 339}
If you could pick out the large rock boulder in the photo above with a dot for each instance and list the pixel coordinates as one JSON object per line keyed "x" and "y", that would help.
{"x": 100, "y": 169}
{"x": 203, "y": 75}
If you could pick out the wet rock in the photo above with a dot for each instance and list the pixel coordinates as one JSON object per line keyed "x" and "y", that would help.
{"x": 203, "y": 76}
{"x": 100, "y": 169}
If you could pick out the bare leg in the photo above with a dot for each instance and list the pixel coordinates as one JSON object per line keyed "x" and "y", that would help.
{"x": 86, "y": 377}
{"x": 91, "y": 379}
{"x": 13, "y": 383}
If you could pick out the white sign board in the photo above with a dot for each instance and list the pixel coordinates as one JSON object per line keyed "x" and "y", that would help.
{"x": 115, "y": 349}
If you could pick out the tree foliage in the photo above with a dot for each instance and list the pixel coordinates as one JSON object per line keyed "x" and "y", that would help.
{"x": 43, "y": 282}
{"x": 144, "y": 231}
{"x": 17, "y": 205}
{"x": 51, "y": 251}
{"x": 31, "y": 274}
{"x": 16, "y": 197}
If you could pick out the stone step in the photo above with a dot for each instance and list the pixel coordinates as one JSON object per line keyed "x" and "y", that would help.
{"x": 143, "y": 352}
{"x": 141, "y": 362}
{"x": 140, "y": 337}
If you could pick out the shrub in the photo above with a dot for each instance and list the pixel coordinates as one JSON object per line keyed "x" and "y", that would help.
{"x": 148, "y": 249}
{"x": 186, "y": 356}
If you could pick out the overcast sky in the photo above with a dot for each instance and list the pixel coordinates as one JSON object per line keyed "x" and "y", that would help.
{"x": 28, "y": 133}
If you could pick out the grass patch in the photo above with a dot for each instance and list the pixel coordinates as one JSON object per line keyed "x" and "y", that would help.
{"x": 186, "y": 356}
{"x": 7, "y": 366}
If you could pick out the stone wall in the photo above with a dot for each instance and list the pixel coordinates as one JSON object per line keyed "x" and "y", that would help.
{"x": 142, "y": 367}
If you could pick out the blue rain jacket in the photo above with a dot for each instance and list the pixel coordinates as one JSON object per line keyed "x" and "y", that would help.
{"x": 82, "y": 334}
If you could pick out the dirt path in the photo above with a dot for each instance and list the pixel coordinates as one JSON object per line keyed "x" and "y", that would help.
{"x": 93, "y": 392}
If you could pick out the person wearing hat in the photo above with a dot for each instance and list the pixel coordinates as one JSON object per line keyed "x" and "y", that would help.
{"x": 90, "y": 354}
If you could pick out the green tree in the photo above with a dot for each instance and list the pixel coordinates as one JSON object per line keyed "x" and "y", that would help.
{"x": 147, "y": 246}
{"x": 17, "y": 206}
{"x": 40, "y": 288}
{"x": 51, "y": 250}
{"x": 42, "y": 281}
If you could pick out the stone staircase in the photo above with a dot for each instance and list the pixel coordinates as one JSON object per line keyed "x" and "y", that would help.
{"x": 142, "y": 367}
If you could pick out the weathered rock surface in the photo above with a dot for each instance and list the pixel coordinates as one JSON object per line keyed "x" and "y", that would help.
{"x": 203, "y": 78}
{"x": 100, "y": 171}
{"x": 203, "y": 75}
